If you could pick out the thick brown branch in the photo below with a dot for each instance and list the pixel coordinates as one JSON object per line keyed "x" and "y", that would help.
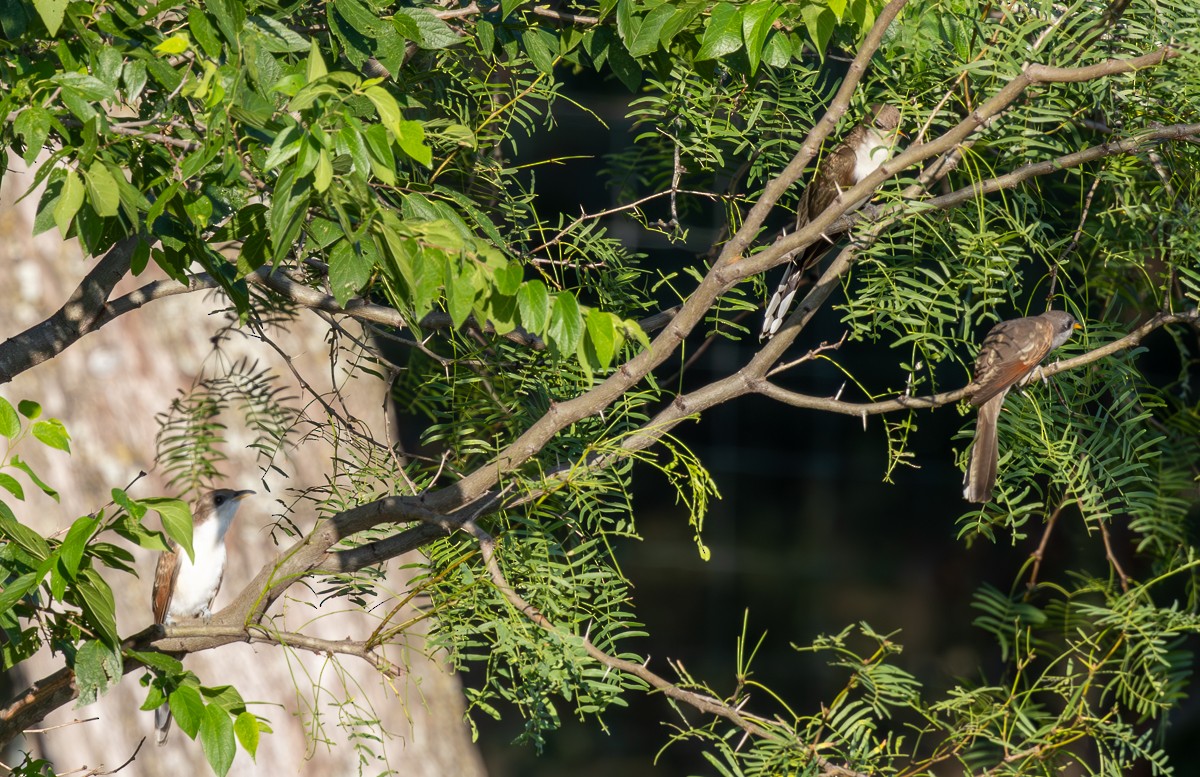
{"x": 82, "y": 314}
{"x": 937, "y": 400}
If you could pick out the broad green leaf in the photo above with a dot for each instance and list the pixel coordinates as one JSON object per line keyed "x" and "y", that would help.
{"x": 45, "y": 489}
{"x": 53, "y": 434}
{"x": 386, "y": 106}
{"x": 323, "y": 173}
{"x": 757, "y": 20}
{"x": 349, "y": 271}
{"x": 460, "y": 292}
{"x": 566, "y": 326}
{"x": 646, "y": 40}
{"x": 724, "y": 32}
{"x": 28, "y": 408}
{"x": 285, "y": 146}
{"x": 246, "y": 729}
{"x": 10, "y": 424}
{"x": 539, "y": 53}
{"x": 131, "y": 529}
{"x": 820, "y": 22}
{"x": 161, "y": 661}
{"x": 533, "y": 304}
{"x": 602, "y": 332}
{"x": 176, "y": 44}
{"x": 508, "y": 278}
{"x": 204, "y": 32}
{"x": 68, "y": 202}
{"x": 75, "y": 543}
{"x": 216, "y": 735}
{"x": 12, "y": 486}
{"x": 15, "y": 589}
{"x": 411, "y": 136}
{"x": 383, "y": 162}
{"x": 432, "y": 32}
{"x": 679, "y": 20}
{"x": 51, "y": 12}
{"x": 188, "y": 709}
{"x": 176, "y": 518}
{"x": 98, "y": 667}
{"x": 33, "y": 125}
{"x": 98, "y": 605}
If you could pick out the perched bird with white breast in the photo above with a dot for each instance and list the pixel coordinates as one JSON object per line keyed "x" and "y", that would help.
{"x": 863, "y": 150}
{"x": 186, "y": 588}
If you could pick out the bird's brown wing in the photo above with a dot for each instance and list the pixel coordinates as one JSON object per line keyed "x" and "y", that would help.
{"x": 1010, "y": 352}
{"x": 165, "y": 575}
{"x": 834, "y": 175}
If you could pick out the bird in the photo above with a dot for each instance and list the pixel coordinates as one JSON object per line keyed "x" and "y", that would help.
{"x": 864, "y": 149}
{"x": 186, "y": 588}
{"x": 1010, "y": 352}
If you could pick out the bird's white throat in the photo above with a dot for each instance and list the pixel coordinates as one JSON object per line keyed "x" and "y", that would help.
{"x": 870, "y": 154}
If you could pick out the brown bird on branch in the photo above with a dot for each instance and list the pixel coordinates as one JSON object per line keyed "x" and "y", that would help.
{"x": 1010, "y": 352}
{"x": 186, "y": 588}
{"x": 863, "y": 150}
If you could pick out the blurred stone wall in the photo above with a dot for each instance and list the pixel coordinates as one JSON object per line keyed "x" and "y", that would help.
{"x": 106, "y": 389}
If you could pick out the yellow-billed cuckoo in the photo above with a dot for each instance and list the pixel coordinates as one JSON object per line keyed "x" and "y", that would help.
{"x": 863, "y": 150}
{"x": 1010, "y": 352}
{"x": 185, "y": 588}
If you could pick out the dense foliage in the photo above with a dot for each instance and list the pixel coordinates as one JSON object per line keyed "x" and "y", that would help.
{"x": 379, "y": 153}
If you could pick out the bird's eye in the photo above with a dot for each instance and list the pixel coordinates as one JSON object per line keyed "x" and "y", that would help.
{"x": 219, "y": 500}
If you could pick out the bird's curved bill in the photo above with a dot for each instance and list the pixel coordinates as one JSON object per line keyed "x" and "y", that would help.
{"x": 240, "y": 495}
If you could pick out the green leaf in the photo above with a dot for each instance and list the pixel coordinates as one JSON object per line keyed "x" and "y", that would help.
{"x": 188, "y": 709}
{"x": 383, "y": 162}
{"x": 53, "y": 434}
{"x": 646, "y": 39}
{"x": 566, "y": 327}
{"x": 411, "y": 137}
{"x": 12, "y": 486}
{"x": 246, "y": 728}
{"x": 33, "y": 125}
{"x": 160, "y": 661}
{"x": 98, "y": 667}
{"x": 68, "y": 202}
{"x": 386, "y": 106}
{"x": 349, "y": 271}
{"x": 432, "y": 32}
{"x": 97, "y": 604}
{"x": 16, "y": 589}
{"x": 176, "y": 519}
{"x": 102, "y": 190}
{"x": 533, "y": 304}
{"x": 724, "y": 32}
{"x": 204, "y": 32}
{"x": 285, "y": 146}
{"x": 757, "y": 20}
{"x": 216, "y": 734}
{"x": 460, "y": 293}
{"x": 539, "y": 53}
{"x": 820, "y": 22}
{"x": 27, "y": 408}
{"x": 602, "y": 333}
{"x": 10, "y": 424}
{"x": 45, "y": 489}
{"x": 75, "y": 544}
{"x": 51, "y": 12}
{"x": 176, "y": 44}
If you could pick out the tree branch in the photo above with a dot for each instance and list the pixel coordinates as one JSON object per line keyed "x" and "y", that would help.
{"x": 82, "y": 314}
{"x": 794, "y": 399}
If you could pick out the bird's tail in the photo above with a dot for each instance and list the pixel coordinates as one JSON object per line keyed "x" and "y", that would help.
{"x": 980, "y": 477}
{"x": 162, "y": 722}
{"x": 793, "y": 278}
